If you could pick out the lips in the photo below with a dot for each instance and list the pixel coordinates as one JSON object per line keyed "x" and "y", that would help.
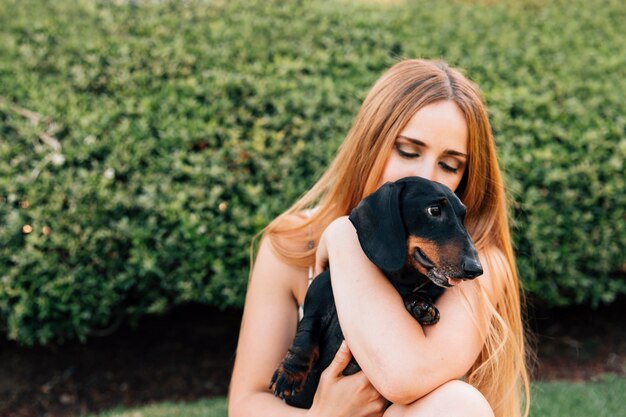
{"x": 438, "y": 278}
{"x": 423, "y": 259}
{"x": 434, "y": 274}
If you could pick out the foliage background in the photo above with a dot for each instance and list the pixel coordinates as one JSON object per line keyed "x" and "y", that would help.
{"x": 144, "y": 143}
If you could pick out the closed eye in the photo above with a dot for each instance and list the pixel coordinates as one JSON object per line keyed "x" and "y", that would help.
{"x": 448, "y": 168}
{"x": 404, "y": 154}
{"x": 412, "y": 155}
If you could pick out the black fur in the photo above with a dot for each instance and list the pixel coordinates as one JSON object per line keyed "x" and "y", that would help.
{"x": 385, "y": 222}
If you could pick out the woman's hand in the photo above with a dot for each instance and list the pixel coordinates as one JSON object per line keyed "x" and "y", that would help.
{"x": 345, "y": 396}
{"x": 321, "y": 254}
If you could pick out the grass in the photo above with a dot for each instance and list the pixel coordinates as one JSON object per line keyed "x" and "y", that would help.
{"x": 215, "y": 407}
{"x": 601, "y": 398}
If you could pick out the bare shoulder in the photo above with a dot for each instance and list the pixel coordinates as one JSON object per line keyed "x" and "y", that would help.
{"x": 269, "y": 265}
{"x": 269, "y": 322}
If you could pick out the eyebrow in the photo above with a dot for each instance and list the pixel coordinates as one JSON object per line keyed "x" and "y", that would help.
{"x": 447, "y": 151}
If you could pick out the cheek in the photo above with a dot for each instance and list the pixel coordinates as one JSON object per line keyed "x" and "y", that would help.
{"x": 452, "y": 181}
{"x": 393, "y": 171}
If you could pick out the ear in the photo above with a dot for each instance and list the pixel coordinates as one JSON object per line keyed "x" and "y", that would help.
{"x": 378, "y": 223}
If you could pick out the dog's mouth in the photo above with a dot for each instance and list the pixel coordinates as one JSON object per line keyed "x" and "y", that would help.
{"x": 423, "y": 259}
{"x": 433, "y": 273}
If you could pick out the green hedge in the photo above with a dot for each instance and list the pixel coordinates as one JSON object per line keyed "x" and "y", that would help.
{"x": 143, "y": 143}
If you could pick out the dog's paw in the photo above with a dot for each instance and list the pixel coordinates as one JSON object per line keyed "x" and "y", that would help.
{"x": 286, "y": 383}
{"x": 289, "y": 379}
{"x": 423, "y": 311}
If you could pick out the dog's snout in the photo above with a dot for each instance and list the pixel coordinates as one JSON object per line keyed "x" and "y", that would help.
{"x": 472, "y": 268}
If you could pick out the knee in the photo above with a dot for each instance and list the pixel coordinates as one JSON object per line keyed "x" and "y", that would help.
{"x": 452, "y": 399}
{"x": 468, "y": 401}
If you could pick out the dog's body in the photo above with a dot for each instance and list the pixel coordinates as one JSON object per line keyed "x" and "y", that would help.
{"x": 413, "y": 231}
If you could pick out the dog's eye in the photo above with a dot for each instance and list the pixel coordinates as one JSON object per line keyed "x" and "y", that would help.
{"x": 434, "y": 211}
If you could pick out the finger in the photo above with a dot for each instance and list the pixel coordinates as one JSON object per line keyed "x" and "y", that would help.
{"x": 340, "y": 361}
{"x": 384, "y": 404}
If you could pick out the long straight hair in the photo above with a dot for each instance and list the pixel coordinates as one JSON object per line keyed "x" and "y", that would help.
{"x": 500, "y": 372}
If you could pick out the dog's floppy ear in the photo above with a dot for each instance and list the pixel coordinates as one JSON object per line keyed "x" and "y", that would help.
{"x": 378, "y": 222}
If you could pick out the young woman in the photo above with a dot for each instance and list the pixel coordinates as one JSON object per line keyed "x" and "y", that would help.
{"x": 421, "y": 118}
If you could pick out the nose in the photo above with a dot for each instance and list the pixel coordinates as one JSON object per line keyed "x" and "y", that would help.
{"x": 472, "y": 268}
{"x": 424, "y": 170}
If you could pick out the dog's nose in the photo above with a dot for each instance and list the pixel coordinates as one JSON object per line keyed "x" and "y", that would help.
{"x": 472, "y": 268}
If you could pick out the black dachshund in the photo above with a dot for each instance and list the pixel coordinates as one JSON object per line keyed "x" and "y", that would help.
{"x": 412, "y": 229}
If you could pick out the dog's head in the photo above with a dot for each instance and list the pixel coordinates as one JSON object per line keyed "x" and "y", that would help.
{"x": 416, "y": 223}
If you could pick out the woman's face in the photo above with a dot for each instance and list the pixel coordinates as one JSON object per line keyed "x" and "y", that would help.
{"x": 432, "y": 145}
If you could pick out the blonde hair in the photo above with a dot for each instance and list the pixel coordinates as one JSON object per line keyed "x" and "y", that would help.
{"x": 500, "y": 370}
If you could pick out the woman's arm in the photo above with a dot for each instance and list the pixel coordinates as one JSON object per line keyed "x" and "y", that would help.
{"x": 268, "y": 328}
{"x": 402, "y": 360}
